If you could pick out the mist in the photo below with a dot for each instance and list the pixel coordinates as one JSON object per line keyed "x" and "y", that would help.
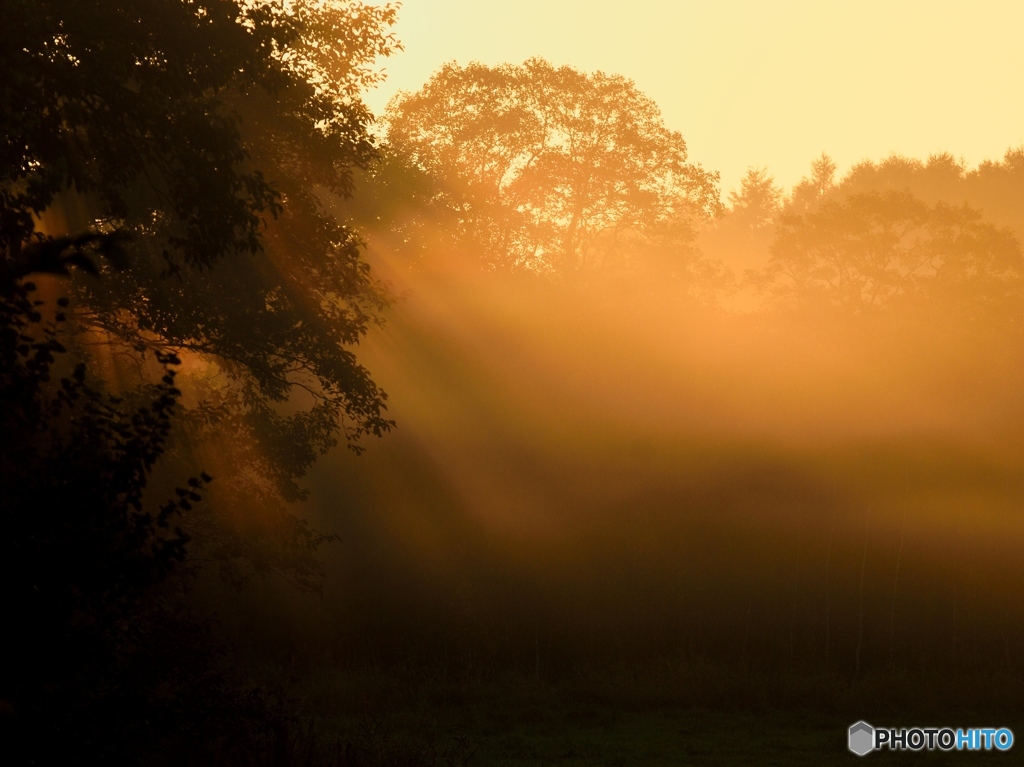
{"x": 493, "y": 427}
{"x": 634, "y": 479}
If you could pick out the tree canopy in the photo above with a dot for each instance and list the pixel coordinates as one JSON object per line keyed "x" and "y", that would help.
{"x": 192, "y": 142}
{"x": 742, "y": 234}
{"x": 173, "y": 153}
{"x": 995, "y": 187}
{"x": 873, "y": 250}
{"x": 548, "y": 168}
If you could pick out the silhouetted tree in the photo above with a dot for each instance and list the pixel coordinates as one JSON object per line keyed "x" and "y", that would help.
{"x": 872, "y": 251}
{"x": 80, "y": 553}
{"x": 193, "y": 141}
{"x": 814, "y": 187}
{"x": 758, "y": 200}
{"x": 551, "y": 169}
{"x": 740, "y": 237}
{"x": 996, "y": 188}
{"x": 139, "y": 143}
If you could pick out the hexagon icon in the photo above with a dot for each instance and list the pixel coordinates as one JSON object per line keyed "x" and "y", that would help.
{"x": 862, "y": 738}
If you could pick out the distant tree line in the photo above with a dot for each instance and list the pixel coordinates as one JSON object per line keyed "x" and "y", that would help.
{"x": 899, "y": 233}
{"x": 549, "y": 170}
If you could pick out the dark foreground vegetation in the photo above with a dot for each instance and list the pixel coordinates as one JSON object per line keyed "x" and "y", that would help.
{"x": 674, "y": 481}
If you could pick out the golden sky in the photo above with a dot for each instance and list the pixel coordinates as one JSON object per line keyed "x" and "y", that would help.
{"x": 764, "y": 83}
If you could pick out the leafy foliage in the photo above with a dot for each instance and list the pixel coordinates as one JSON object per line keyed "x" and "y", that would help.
{"x": 872, "y": 251}
{"x": 993, "y": 187}
{"x": 548, "y": 168}
{"x": 190, "y": 144}
{"x": 175, "y": 151}
{"x": 743, "y": 233}
{"x": 81, "y": 558}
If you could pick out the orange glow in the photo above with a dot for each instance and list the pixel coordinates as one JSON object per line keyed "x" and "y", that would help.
{"x": 751, "y": 83}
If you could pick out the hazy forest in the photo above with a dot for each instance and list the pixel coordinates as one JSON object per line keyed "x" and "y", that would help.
{"x": 487, "y": 430}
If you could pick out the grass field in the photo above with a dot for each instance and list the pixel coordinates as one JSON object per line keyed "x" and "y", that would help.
{"x": 669, "y": 714}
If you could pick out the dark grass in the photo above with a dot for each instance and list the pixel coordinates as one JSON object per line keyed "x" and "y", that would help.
{"x": 670, "y": 713}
